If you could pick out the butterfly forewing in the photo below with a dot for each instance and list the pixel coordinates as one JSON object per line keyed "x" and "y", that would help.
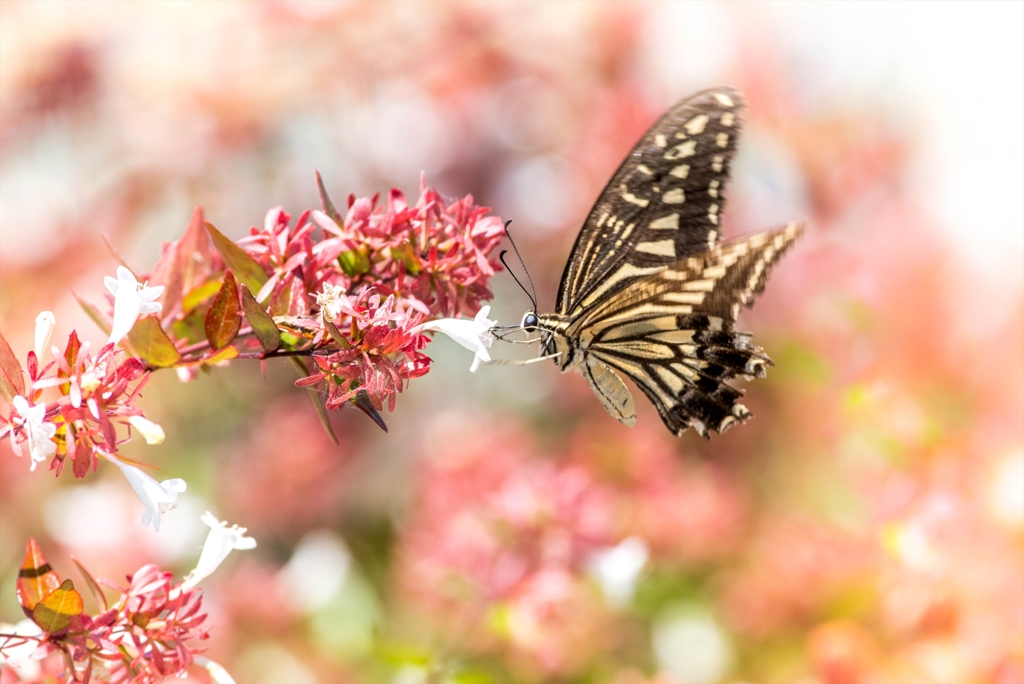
{"x": 663, "y": 203}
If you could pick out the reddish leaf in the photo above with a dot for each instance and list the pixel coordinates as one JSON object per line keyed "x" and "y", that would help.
{"x": 93, "y": 585}
{"x": 93, "y": 313}
{"x": 55, "y": 612}
{"x": 224, "y": 318}
{"x": 82, "y": 459}
{"x": 194, "y": 252}
{"x": 326, "y": 203}
{"x": 167, "y": 272}
{"x": 72, "y": 348}
{"x": 262, "y": 324}
{"x": 71, "y": 357}
{"x": 151, "y": 343}
{"x": 249, "y": 273}
{"x": 36, "y": 579}
{"x": 316, "y": 399}
{"x": 117, "y": 257}
{"x": 281, "y": 297}
{"x": 11, "y": 381}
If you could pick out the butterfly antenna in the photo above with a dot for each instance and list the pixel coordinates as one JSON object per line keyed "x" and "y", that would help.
{"x": 533, "y": 297}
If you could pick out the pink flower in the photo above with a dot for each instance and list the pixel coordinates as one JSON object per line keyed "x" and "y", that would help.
{"x": 96, "y": 391}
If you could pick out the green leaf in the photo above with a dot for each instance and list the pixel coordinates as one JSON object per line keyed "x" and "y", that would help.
{"x": 316, "y": 399}
{"x": 223, "y": 319}
{"x": 262, "y": 324}
{"x": 407, "y": 256}
{"x": 335, "y": 334}
{"x": 225, "y": 354}
{"x": 190, "y": 328}
{"x": 199, "y": 294}
{"x": 325, "y": 201}
{"x": 93, "y": 313}
{"x": 355, "y": 262}
{"x": 54, "y": 612}
{"x": 151, "y": 343}
{"x": 245, "y": 268}
{"x": 364, "y": 404}
{"x": 11, "y": 381}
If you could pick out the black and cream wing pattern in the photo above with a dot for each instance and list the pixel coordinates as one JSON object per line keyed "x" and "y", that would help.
{"x": 651, "y": 291}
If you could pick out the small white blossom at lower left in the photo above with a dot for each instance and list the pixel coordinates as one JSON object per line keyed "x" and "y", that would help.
{"x": 219, "y": 543}
{"x": 38, "y": 431}
{"x": 157, "y": 497}
{"x": 475, "y": 335}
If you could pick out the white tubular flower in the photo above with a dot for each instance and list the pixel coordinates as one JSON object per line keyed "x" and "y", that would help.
{"x": 38, "y": 431}
{"x": 617, "y": 569}
{"x": 330, "y": 301}
{"x": 131, "y": 300}
{"x": 44, "y": 331}
{"x": 150, "y": 431}
{"x": 221, "y": 541}
{"x": 157, "y": 497}
{"x": 475, "y": 335}
{"x": 218, "y": 675}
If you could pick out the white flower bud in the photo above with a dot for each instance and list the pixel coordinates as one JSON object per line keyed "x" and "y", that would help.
{"x": 151, "y": 432}
{"x": 44, "y": 331}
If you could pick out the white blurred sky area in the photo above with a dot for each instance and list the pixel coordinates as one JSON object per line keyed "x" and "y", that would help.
{"x": 952, "y": 71}
{"x": 961, "y": 65}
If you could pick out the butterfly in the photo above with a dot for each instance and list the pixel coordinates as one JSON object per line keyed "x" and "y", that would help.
{"x": 651, "y": 291}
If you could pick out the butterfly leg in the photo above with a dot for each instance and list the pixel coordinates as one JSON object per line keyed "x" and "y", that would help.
{"x": 520, "y": 362}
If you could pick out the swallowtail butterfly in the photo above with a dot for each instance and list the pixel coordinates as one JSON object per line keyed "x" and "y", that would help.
{"x": 651, "y": 291}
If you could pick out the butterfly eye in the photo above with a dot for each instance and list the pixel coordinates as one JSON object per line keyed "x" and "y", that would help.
{"x": 530, "y": 322}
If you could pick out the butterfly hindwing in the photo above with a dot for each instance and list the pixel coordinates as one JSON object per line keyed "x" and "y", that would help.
{"x": 672, "y": 331}
{"x": 663, "y": 203}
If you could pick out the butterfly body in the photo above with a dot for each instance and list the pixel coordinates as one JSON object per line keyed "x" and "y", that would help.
{"x": 651, "y": 292}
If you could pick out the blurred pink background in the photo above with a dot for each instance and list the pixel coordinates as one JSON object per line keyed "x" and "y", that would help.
{"x": 868, "y": 525}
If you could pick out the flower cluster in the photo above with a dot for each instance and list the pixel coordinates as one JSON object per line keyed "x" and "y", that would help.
{"x": 502, "y": 537}
{"x": 351, "y": 294}
{"x": 96, "y": 392}
{"x": 382, "y": 353}
{"x": 356, "y": 295}
{"x": 146, "y": 634}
